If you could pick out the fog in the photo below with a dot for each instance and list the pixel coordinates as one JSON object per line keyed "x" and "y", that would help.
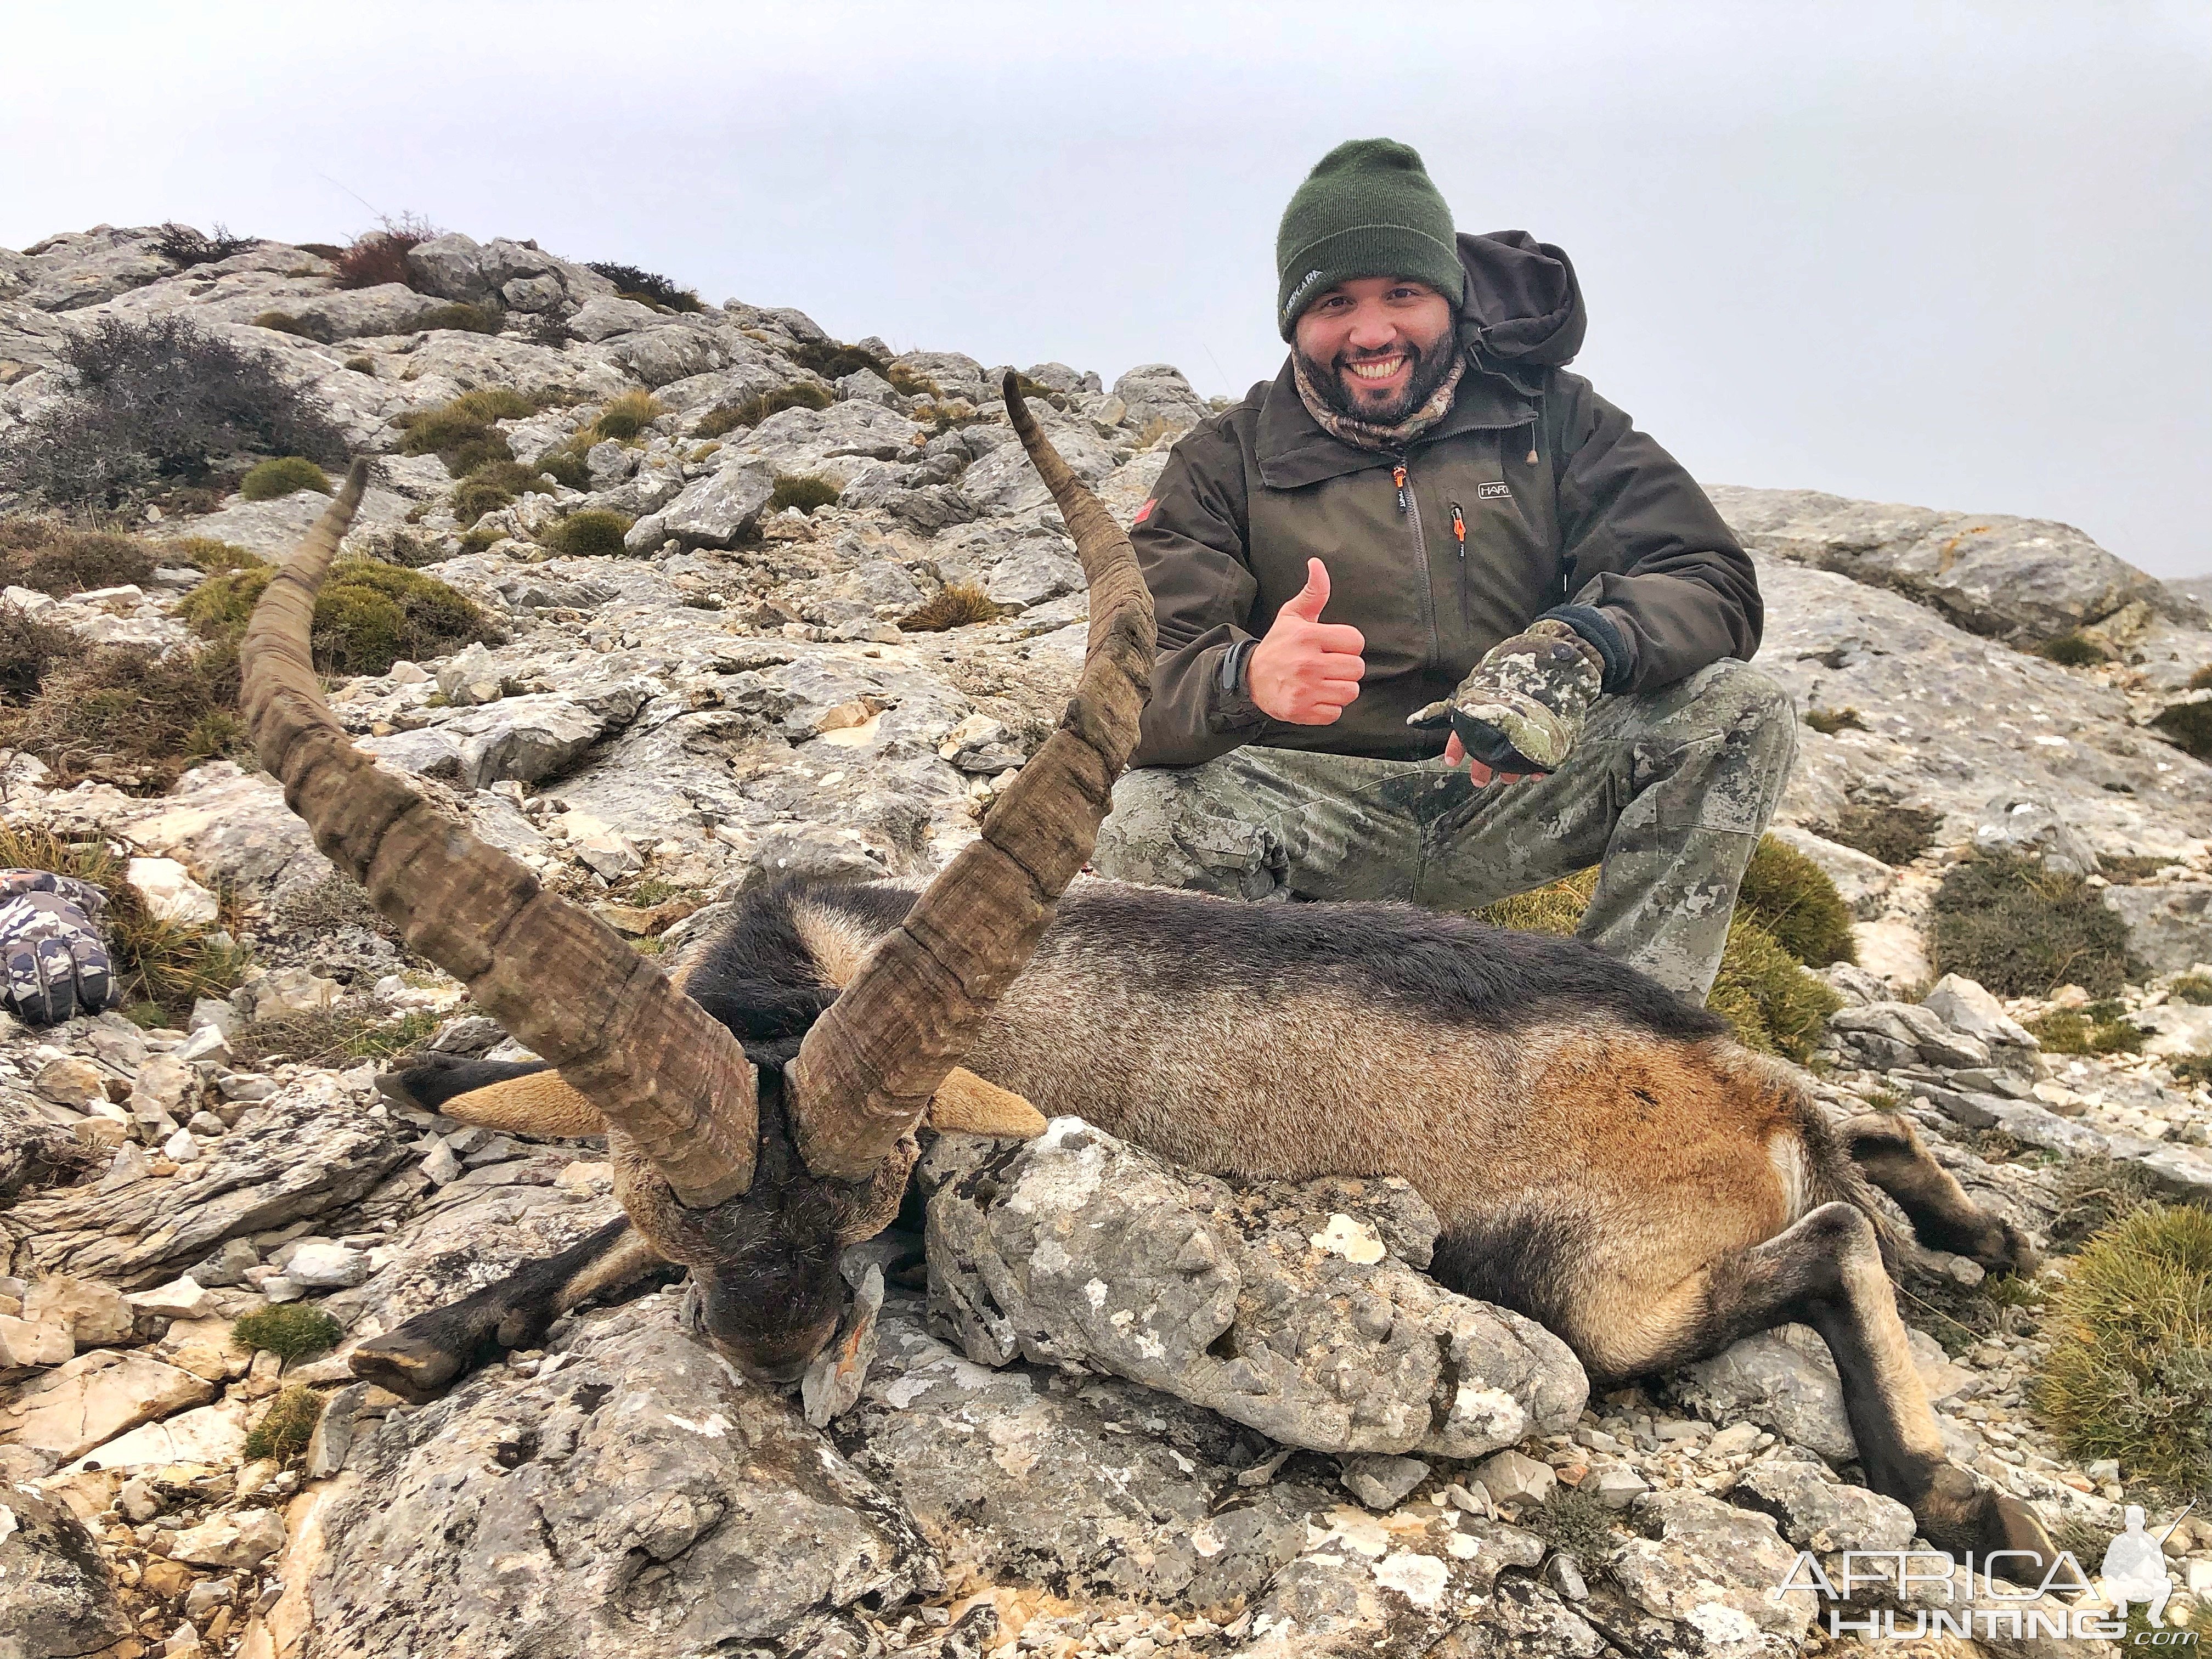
{"x": 1952, "y": 255}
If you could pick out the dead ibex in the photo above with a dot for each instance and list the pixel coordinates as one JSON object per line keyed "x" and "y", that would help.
{"x": 1604, "y": 1157}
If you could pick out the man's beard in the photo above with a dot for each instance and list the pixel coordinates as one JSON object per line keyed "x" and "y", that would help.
{"x": 1431, "y": 364}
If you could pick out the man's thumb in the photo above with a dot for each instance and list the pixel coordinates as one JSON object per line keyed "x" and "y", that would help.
{"x": 1306, "y": 604}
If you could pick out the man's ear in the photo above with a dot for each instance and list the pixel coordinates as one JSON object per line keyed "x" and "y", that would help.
{"x": 966, "y": 1105}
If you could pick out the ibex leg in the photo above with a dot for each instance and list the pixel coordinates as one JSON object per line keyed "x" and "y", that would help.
{"x": 1890, "y": 1154}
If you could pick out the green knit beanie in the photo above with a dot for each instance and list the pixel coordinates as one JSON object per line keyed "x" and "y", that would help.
{"x": 1368, "y": 209}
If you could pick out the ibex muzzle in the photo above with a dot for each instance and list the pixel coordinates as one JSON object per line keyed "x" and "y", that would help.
{"x": 756, "y": 1201}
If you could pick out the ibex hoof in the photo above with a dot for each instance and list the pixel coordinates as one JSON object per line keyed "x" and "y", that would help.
{"x": 2007, "y": 1524}
{"x": 410, "y": 1366}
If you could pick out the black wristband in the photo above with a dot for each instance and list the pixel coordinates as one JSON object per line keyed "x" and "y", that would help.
{"x": 1233, "y": 663}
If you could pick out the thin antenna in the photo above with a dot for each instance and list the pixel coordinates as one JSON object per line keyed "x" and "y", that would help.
{"x": 363, "y": 200}
{"x": 1228, "y": 386}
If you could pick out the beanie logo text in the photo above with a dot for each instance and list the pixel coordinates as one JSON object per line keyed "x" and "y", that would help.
{"x": 1298, "y": 293}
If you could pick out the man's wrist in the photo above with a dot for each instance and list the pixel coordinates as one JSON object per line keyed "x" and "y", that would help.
{"x": 1236, "y": 669}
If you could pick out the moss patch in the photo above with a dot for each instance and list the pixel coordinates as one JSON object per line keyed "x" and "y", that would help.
{"x": 2128, "y": 1375}
{"x": 956, "y": 604}
{"x": 368, "y": 617}
{"x": 290, "y": 1330}
{"x": 1792, "y": 898}
{"x": 2022, "y": 930}
{"x": 1895, "y": 835}
{"x": 2073, "y": 650}
{"x": 283, "y": 475}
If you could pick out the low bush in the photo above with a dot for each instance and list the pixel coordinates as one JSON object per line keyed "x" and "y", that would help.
{"x": 2092, "y": 1193}
{"x": 186, "y": 247}
{"x": 2201, "y": 679}
{"x": 2023, "y": 930}
{"x": 154, "y": 403}
{"x": 1829, "y": 721}
{"x": 492, "y": 485}
{"x": 1895, "y": 835}
{"x": 284, "y": 1430}
{"x": 802, "y": 491}
{"x": 461, "y": 433}
{"x": 800, "y": 394}
{"x": 2098, "y": 1029}
{"x": 645, "y": 287}
{"x": 1792, "y": 898}
{"x": 326, "y": 1036}
{"x": 2189, "y": 1070}
{"x": 2128, "y": 1372}
{"x": 59, "y": 559}
{"x": 1775, "y": 1006}
{"x": 286, "y": 474}
{"x": 461, "y": 317}
{"x": 380, "y": 256}
{"x": 622, "y": 419}
{"x": 2189, "y": 725}
{"x": 2072, "y": 650}
{"x": 29, "y": 649}
{"x": 213, "y": 556}
{"x": 362, "y": 365}
{"x": 912, "y": 381}
{"x": 566, "y": 467}
{"x": 956, "y": 604}
{"x": 120, "y": 715}
{"x": 368, "y": 617}
{"x": 283, "y": 322}
{"x": 290, "y": 1330}
{"x": 2129, "y": 868}
{"x": 2191, "y": 987}
{"x": 164, "y": 966}
{"x": 833, "y": 361}
{"x": 1578, "y": 1523}
{"x": 593, "y": 533}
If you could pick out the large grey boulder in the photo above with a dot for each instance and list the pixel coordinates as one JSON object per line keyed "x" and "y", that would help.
{"x": 717, "y": 510}
{"x": 1003, "y": 484}
{"x": 1297, "y": 1309}
{"x": 640, "y": 1500}
{"x": 1157, "y": 391}
{"x": 2023, "y": 826}
{"x": 56, "y": 1593}
{"x": 2169, "y": 925}
{"x": 2009, "y": 578}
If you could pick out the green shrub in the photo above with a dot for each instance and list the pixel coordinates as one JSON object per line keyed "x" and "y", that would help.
{"x": 290, "y": 1330}
{"x": 953, "y": 606}
{"x": 645, "y": 287}
{"x": 2189, "y": 1070}
{"x": 1792, "y": 898}
{"x": 2189, "y": 727}
{"x": 833, "y": 361}
{"x": 623, "y": 418}
{"x": 2023, "y": 930}
{"x": 29, "y": 649}
{"x": 567, "y": 467}
{"x": 1576, "y": 1522}
{"x": 206, "y": 553}
{"x": 284, "y": 475}
{"x": 156, "y": 404}
{"x": 2072, "y": 650}
{"x": 2191, "y": 987}
{"x": 2129, "y": 1372}
{"x": 368, "y": 617}
{"x": 800, "y": 394}
{"x": 912, "y": 381}
{"x": 287, "y": 1426}
{"x": 1895, "y": 835}
{"x": 492, "y": 485}
{"x": 54, "y": 558}
{"x": 283, "y": 322}
{"x": 461, "y": 432}
{"x": 461, "y": 317}
{"x": 362, "y": 365}
{"x": 2092, "y": 1193}
{"x": 2096, "y": 1029}
{"x": 1774, "y": 1004}
{"x": 1829, "y": 721}
{"x": 593, "y": 533}
{"x": 802, "y": 491}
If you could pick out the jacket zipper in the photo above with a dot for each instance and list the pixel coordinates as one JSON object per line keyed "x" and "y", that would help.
{"x": 1402, "y": 476}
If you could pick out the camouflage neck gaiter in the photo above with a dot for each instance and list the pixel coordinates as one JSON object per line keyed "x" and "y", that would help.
{"x": 1366, "y": 434}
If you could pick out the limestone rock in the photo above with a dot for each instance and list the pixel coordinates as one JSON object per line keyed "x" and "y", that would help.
{"x": 2026, "y": 828}
{"x": 1157, "y": 391}
{"x": 718, "y": 508}
{"x": 26, "y": 1342}
{"x": 1815, "y": 1511}
{"x": 1784, "y": 1380}
{"x": 94, "y": 1315}
{"x": 244, "y": 1538}
{"x": 95, "y": 1396}
{"x": 1078, "y": 1247}
{"x": 1382, "y": 1483}
{"x": 56, "y": 1593}
{"x": 1714, "y": 1567}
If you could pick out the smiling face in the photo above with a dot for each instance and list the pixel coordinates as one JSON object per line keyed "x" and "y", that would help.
{"x": 1376, "y": 347}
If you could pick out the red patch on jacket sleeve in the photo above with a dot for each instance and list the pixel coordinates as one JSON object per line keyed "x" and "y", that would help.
{"x": 1146, "y": 511}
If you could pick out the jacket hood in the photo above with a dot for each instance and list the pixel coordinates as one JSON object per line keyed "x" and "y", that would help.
{"x": 1523, "y": 307}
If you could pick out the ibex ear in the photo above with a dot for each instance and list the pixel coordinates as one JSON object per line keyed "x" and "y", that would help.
{"x": 966, "y": 1105}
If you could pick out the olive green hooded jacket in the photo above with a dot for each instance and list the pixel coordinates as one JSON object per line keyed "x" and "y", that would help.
{"x": 1533, "y": 495}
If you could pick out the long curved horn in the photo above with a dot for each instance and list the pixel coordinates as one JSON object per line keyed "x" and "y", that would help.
{"x": 869, "y": 1065}
{"x": 664, "y": 1073}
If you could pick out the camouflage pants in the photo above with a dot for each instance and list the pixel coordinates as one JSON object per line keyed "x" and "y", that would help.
{"x": 1668, "y": 793}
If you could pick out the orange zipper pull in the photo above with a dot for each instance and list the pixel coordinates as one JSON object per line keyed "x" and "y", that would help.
{"x": 1459, "y": 530}
{"x": 1398, "y": 477}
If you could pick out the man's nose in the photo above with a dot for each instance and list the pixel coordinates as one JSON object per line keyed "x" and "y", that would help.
{"x": 1371, "y": 331}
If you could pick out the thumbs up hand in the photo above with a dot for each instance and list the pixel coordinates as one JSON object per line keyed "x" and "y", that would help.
{"x": 1307, "y": 671}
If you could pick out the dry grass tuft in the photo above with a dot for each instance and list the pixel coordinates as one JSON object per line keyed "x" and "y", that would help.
{"x": 954, "y": 605}
{"x": 2023, "y": 930}
{"x": 1792, "y": 898}
{"x": 59, "y": 559}
{"x": 1829, "y": 721}
{"x": 285, "y": 1429}
{"x": 1895, "y": 835}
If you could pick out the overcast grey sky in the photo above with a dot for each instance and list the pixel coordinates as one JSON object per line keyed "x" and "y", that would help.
{"x": 1951, "y": 254}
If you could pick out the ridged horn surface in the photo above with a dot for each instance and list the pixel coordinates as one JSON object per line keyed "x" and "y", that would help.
{"x": 869, "y": 1065}
{"x": 666, "y": 1076}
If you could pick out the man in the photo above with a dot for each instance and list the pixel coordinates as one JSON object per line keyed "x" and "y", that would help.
{"x": 1436, "y": 622}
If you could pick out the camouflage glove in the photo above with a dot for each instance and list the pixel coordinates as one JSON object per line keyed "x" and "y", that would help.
{"x": 53, "y": 961}
{"x": 1522, "y": 709}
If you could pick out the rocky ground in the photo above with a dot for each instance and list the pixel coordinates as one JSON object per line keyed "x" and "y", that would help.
{"x": 1390, "y": 1473}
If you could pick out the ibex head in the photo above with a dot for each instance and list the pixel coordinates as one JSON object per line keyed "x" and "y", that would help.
{"x": 753, "y": 1181}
